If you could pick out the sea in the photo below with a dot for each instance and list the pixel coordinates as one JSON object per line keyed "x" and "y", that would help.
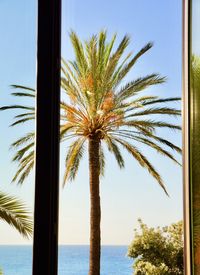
{"x": 73, "y": 260}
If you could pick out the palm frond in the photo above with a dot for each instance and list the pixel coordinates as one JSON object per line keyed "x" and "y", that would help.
{"x": 23, "y": 171}
{"x": 23, "y": 88}
{"x": 101, "y": 45}
{"x": 69, "y": 73}
{"x": 21, "y": 152}
{"x": 142, "y": 160}
{"x": 25, "y": 114}
{"x": 151, "y": 124}
{"x": 79, "y": 51}
{"x": 166, "y": 142}
{"x": 64, "y": 129}
{"x": 16, "y": 107}
{"x": 14, "y": 212}
{"x": 158, "y": 148}
{"x": 119, "y": 68}
{"x": 25, "y": 159}
{"x": 23, "y": 94}
{"x": 19, "y": 121}
{"x": 113, "y": 61}
{"x": 155, "y": 111}
{"x": 73, "y": 158}
{"x": 28, "y": 137}
{"x": 162, "y": 100}
{"x": 128, "y": 67}
{"x": 112, "y": 147}
{"x": 108, "y": 49}
{"x": 140, "y": 84}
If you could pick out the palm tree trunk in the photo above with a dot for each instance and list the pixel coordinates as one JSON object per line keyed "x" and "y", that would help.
{"x": 95, "y": 209}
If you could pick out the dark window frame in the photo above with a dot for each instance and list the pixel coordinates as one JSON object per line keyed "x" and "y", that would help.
{"x": 191, "y": 144}
{"x": 186, "y": 139}
{"x": 45, "y": 247}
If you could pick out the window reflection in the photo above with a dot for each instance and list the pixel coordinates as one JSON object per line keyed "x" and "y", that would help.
{"x": 195, "y": 129}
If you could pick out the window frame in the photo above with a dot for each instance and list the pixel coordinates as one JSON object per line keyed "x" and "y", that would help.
{"x": 45, "y": 248}
{"x": 186, "y": 138}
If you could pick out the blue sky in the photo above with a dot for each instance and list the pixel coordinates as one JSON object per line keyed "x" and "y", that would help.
{"x": 128, "y": 194}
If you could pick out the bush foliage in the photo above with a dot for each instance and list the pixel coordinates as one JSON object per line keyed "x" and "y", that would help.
{"x": 158, "y": 251}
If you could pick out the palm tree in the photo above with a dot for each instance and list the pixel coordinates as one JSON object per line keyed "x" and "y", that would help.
{"x": 14, "y": 212}
{"x": 98, "y": 109}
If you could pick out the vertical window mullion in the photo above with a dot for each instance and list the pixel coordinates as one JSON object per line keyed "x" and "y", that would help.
{"x": 186, "y": 141}
{"x": 45, "y": 247}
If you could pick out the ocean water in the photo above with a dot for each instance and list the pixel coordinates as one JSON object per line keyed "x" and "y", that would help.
{"x": 73, "y": 260}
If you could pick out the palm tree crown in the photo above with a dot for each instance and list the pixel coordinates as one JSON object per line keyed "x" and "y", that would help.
{"x": 99, "y": 109}
{"x": 97, "y": 105}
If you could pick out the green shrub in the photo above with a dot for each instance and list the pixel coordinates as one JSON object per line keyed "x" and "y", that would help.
{"x": 158, "y": 251}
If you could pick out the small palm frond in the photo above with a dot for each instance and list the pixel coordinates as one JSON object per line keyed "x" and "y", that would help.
{"x": 16, "y": 107}
{"x": 108, "y": 50}
{"x": 25, "y": 114}
{"x": 112, "y": 147}
{"x": 147, "y": 133}
{"x": 114, "y": 59}
{"x": 142, "y": 160}
{"x": 22, "y": 175}
{"x": 140, "y": 84}
{"x": 73, "y": 158}
{"x": 26, "y": 164}
{"x": 79, "y": 52}
{"x": 14, "y": 212}
{"x": 163, "y": 141}
{"x": 24, "y": 156}
{"x": 151, "y": 123}
{"x": 23, "y": 94}
{"x": 155, "y": 111}
{"x": 27, "y": 138}
{"x": 23, "y": 88}
{"x": 21, "y": 152}
{"x": 162, "y": 100}
{"x": 128, "y": 67}
{"x": 65, "y": 128}
{"x": 20, "y": 121}
{"x": 158, "y": 148}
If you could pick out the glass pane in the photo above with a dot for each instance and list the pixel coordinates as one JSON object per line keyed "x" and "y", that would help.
{"x": 17, "y": 69}
{"x": 195, "y": 131}
{"x": 121, "y": 84}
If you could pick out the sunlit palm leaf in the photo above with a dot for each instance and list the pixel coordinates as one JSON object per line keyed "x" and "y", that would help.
{"x": 73, "y": 158}
{"x": 142, "y": 160}
{"x": 15, "y": 214}
{"x": 112, "y": 147}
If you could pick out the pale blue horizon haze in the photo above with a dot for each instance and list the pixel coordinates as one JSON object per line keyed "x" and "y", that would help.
{"x": 127, "y": 194}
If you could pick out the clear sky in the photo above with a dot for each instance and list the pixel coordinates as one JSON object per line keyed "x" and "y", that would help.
{"x": 128, "y": 194}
